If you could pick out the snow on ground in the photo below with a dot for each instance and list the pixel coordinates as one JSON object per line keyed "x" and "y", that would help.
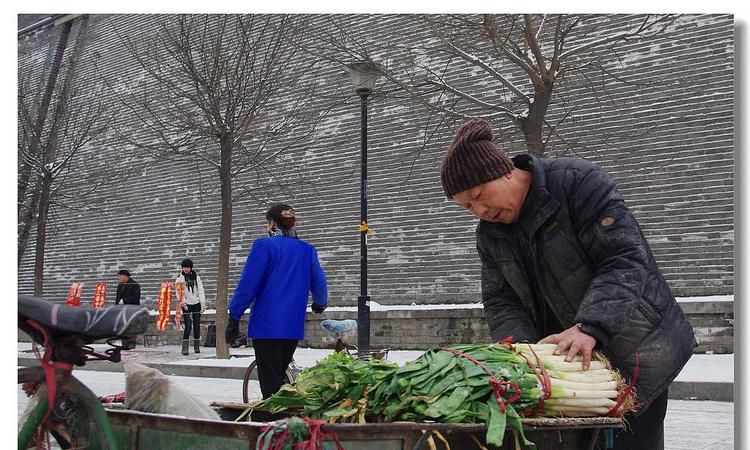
{"x": 707, "y": 298}
{"x": 700, "y": 367}
{"x": 374, "y": 306}
{"x": 713, "y": 368}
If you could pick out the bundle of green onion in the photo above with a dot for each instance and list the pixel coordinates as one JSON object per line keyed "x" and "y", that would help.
{"x": 494, "y": 384}
{"x": 336, "y": 388}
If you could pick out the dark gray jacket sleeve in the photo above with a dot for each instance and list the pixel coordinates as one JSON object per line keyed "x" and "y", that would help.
{"x": 506, "y": 315}
{"x": 613, "y": 241}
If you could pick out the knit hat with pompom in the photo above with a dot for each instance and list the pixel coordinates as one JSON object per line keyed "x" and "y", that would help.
{"x": 473, "y": 159}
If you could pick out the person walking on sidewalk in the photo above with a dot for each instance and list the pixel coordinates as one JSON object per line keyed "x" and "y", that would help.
{"x": 193, "y": 306}
{"x": 280, "y": 272}
{"x": 565, "y": 262}
{"x": 129, "y": 293}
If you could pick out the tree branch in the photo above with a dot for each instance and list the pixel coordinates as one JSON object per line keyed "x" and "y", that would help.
{"x": 639, "y": 32}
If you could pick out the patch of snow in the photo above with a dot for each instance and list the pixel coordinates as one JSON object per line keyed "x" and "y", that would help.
{"x": 708, "y": 368}
{"x": 707, "y": 298}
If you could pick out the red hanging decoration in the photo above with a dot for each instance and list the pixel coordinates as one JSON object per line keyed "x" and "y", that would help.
{"x": 100, "y": 295}
{"x": 180, "y": 288}
{"x": 74, "y": 295}
{"x": 164, "y": 306}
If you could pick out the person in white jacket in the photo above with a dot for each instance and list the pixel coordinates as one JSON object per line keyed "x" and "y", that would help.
{"x": 194, "y": 305}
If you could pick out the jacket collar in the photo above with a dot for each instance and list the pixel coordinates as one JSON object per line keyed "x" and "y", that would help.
{"x": 539, "y": 204}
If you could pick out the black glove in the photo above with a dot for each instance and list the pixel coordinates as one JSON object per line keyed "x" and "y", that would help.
{"x": 232, "y": 331}
{"x": 317, "y": 309}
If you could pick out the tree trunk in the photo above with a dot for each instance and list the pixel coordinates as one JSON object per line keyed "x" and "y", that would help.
{"x": 25, "y": 169}
{"x": 533, "y": 124}
{"x": 225, "y": 241}
{"x": 41, "y": 235}
{"x": 26, "y": 220}
{"x": 51, "y": 153}
{"x": 532, "y": 134}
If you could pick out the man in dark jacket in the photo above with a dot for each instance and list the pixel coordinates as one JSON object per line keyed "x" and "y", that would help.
{"x": 129, "y": 293}
{"x": 565, "y": 262}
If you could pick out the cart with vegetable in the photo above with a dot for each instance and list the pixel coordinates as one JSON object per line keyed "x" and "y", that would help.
{"x": 496, "y": 396}
{"x": 503, "y": 386}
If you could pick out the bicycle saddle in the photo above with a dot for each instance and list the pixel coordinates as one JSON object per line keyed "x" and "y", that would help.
{"x": 336, "y": 328}
{"x": 92, "y": 324}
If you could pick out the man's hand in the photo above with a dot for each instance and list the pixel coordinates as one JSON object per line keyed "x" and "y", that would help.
{"x": 574, "y": 341}
{"x": 232, "y": 331}
{"x": 317, "y": 309}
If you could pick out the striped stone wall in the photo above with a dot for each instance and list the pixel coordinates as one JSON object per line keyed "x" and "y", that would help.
{"x": 664, "y": 131}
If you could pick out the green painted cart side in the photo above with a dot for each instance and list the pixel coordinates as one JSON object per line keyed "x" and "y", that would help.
{"x": 145, "y": 431}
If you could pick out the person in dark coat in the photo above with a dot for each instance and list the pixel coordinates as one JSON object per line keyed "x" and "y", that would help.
{"x": 565, "y": 262}
{"x": 280, "y": 273}
{"x": 129, "y": 293}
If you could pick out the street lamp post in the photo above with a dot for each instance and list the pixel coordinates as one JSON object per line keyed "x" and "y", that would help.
{"x": 364, "y": 75}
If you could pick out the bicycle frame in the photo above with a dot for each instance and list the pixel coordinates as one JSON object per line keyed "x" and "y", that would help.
{"x": 77, "y": 412}
{"x": 61, "y": 405}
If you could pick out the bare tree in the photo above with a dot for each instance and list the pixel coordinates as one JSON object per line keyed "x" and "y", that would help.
{"x": 33, "y": 110}
{"x": 522, "y": 56}
{"x": 231, "y": 91}
{"x": 50, "y": 152}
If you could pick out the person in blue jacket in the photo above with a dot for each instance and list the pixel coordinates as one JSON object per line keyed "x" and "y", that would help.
{"x": 280, "y": 271}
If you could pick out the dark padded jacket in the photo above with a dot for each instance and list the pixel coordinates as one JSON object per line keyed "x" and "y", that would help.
{"x": 577, "y": 255}
{"x": 129, "y": 293}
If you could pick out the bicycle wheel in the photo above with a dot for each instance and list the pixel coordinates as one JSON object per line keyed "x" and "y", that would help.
{"x": 252, "y": 374}
{"x": 78, "y": 419}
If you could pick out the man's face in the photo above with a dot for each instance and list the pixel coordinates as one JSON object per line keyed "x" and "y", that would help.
{"x": 123, "y": 278}
{"x": 499, "y": 200}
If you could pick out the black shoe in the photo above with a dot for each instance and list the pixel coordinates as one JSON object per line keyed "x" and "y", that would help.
{"x": 185, "y": 344}
{"x": 197, "y": 346}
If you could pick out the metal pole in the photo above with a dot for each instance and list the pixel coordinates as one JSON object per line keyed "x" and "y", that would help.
{"x": 363, "y": 302}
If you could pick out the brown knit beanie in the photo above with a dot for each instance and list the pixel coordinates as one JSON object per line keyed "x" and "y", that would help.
{"x": 473, "y": 159}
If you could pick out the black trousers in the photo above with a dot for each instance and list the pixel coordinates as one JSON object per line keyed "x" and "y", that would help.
{"x": 192, "y": 320}
{"x": 273, "y": 357}
{"x": 128, "y": 343}
{"x": 646, "y": 431}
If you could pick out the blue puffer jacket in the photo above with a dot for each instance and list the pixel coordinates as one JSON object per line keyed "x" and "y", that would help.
{"x": 577, "y": 255}
{"x": 279, "y": 274}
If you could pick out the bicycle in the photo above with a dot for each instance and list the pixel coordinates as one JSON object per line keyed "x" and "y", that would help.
{"x": 338, "y": 330}
{"x": 61, "y": 405}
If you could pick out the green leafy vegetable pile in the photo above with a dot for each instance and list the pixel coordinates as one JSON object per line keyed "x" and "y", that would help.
{"x": 494, "y": 384}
